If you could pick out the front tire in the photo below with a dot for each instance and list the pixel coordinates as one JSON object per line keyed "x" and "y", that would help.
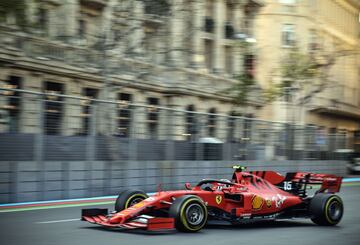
{"x": 189, "y": 212}
{"x": 129, "y": 198}
{"x": 326, "y": 209}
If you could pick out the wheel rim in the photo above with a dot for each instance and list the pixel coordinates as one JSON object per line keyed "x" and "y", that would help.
{"x": 135, "y": 201}
{"x": 194, "y": 214}
{"x": 334, "y": 210}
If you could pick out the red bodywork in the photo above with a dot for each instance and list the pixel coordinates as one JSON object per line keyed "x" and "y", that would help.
{"x": 250, "y": 194}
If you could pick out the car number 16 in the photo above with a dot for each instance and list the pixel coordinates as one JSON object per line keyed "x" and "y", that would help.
{"x": 287, "y": 185}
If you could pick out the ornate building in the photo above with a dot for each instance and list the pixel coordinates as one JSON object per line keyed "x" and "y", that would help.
{"x": 180, "y": 54}
{"x": 327, "y": 27}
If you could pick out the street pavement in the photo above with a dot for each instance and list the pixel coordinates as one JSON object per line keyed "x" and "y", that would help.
{"x": 62, "y": 226}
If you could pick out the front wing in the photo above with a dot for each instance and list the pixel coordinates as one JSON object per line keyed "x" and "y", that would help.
{"x": 145, "y": 222}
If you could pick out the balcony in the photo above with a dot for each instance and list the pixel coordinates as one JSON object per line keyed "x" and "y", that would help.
{"x": 341, "y": 106}
{"x": 42, "y": 49}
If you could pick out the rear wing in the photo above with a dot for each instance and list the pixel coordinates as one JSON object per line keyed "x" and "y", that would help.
{"x": 329, "y": 183}
{"x": 297, "y": 182}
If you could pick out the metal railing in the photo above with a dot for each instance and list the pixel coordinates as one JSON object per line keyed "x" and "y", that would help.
{"x": 60, "y": 127}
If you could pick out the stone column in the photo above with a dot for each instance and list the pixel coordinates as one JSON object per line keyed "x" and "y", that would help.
{"x": 198, "y": 42}
{"x": 71, "y": 9}
{"x": 52, "y": 21}
{"x": 72, "y": 121}
{"x": 137, "y": 35}
{"x": 237, "y": 51}
{"x": 177, "y": 33}
{"x": 174, "y": 121}
{"x": 4, "y": 127}
{"x": 106, "y": 112}
{"x": 219, "y": 36}
{"x": 139, "y": 117}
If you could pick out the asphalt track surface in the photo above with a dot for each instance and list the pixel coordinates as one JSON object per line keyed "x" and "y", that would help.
{"x": 61, "y": 226}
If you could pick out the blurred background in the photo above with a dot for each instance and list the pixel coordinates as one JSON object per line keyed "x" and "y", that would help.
{"x": 99, "y": 95}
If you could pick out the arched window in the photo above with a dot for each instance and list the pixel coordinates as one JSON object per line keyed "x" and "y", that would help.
{"x": 153, "y": 117}
{"x": 212, "y": 122}
{"x": 124, "y": 114}
{"x": 231, "y": 124}
{"x": 191, "y": 124}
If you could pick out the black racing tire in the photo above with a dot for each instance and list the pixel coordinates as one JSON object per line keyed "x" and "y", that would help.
{"x": 129, "y": 198}
{"x": 326, "y": 209}
{"x": 189, "y": 212}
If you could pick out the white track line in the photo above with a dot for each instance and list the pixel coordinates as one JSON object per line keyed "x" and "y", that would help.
{"x": 56, "y": 221}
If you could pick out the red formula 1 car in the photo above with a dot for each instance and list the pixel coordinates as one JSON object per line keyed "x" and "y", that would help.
{"x": 249, "y": 196}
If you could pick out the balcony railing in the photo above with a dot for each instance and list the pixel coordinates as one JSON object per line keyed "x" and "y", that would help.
{"x": 341, "y": 103}
{"x": 64, "y": 55}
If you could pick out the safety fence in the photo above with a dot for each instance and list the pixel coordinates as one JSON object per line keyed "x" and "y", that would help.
{"x": 49, "y": 126}
{"x": 54, "y": 146}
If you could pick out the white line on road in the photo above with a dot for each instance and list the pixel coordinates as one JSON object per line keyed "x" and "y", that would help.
{"x": 56, "y": 221}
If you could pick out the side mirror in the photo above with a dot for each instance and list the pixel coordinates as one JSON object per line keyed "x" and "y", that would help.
{"x": 188, "y": 186}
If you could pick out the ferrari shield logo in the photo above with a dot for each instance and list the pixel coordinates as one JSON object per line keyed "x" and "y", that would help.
{"x": 268, "y": 203}
{"x": 218, "y": 199}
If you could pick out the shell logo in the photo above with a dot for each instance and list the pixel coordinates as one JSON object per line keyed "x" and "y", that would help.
{"x": 257, "y": 202}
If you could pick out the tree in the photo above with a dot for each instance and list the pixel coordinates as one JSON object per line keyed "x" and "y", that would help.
{"x": 304, "y": 74}
{"x": 241, "y": 89}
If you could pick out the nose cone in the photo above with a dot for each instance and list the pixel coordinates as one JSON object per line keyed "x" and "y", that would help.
{"x": 116, "y": 219}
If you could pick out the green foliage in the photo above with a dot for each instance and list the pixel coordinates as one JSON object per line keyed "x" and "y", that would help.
{"x": 272, "y": 92}
{"x": 300, "y": 71}
{"x": 298, "y": 67}
{"x": 240, "y": 90}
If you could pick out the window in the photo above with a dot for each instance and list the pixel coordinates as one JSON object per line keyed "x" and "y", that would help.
{"x": 191, "y": 123}
{"x": 14, "y": 103}
{"x": 53, "y": 108}
{"x": 228, "y": 60}
{"x": 159, "y": 7}
{"x": 313, "y": 41}
{"x": 249, "y": 65}
{"x": 212, "y": 122}
{"x": 247, "y": 126}
{"x": 288, "y": 35}
{"x": 231, "y": 123}
{"x": 87, "y": 109}
{"x": 209, "y": 24}
{"x": 209, "y": 54}
{"x": 82, "y": 28}
{"x": 209, "y": 19}
{"x": 124, "y": 114}
{"x": 42, "y": 20}
{"x": 152, "y": 116}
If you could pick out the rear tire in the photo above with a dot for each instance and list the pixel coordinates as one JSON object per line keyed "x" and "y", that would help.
{"x": 189, "y": 212}
{"x": 326, "y": 209}
{"x": 129, "y": 198}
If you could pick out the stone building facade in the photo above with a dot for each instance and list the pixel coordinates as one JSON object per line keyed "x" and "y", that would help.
{"x": 321, "y": 26}
{"x": 179, "y": 54}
